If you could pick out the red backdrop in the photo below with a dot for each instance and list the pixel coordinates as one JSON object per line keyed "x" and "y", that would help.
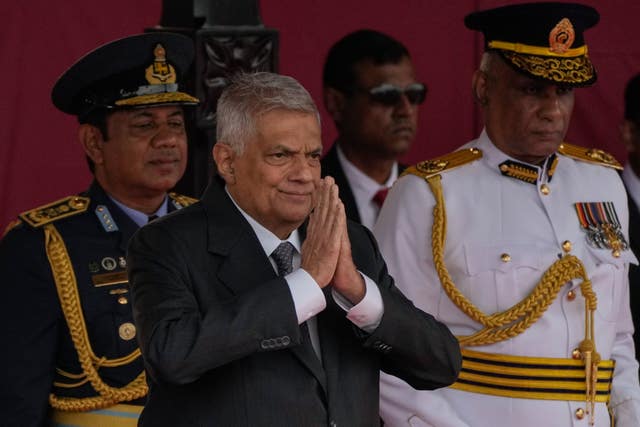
{"x": 40, "y": 159}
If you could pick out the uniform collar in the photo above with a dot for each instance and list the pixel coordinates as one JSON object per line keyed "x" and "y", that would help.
{"x": 141, "y": 218}
{"x": 512, "y": 168}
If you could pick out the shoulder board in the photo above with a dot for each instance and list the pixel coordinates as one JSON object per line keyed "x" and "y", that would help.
{"x": 182, "y": 200}
{"x": 590, "y": 155}
{"x": 13, "y": 224}
{"x": 59, "y": 209}
{"x": 447, "y": 162}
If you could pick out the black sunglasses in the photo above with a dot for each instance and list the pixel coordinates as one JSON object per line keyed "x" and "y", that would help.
{"x": 390, "y": 95}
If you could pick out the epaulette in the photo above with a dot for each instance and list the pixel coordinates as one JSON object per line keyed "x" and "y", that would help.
{"x": 59, "y": 209}
{"x": 182, "y": 201}
{"x": 13, "y": 224}
{"x": 590, "y": 155}
{"x": 449, "y": 161}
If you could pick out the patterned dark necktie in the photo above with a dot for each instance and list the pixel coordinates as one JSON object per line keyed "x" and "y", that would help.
{"x": 283, "y": 256}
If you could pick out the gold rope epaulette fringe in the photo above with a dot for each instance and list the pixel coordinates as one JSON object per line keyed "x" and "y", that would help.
{"x": 590, "y": 155}
{"x": 59, "y": 209}
{"x": 428, "y": 168}
{"x": 182, "y": 200}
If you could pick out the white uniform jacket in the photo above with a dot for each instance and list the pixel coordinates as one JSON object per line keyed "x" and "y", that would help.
{"x": 489, "y": 216}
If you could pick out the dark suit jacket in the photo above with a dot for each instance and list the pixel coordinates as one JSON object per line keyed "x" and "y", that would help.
{"x": 330, "y": 166}
{"x": 221, "y": 340}
{"x": 634, "y": 272}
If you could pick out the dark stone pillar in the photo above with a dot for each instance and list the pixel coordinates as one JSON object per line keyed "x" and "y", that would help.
{"x": 229, "y": 37}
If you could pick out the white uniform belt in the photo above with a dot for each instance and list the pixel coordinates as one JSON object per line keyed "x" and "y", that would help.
{"x": 530, "y": 377}
{"x": 120, "y": 415}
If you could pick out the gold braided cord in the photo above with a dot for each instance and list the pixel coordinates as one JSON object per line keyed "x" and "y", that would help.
{"x": 66, "y": 285}
{"x": 577, "y": 70}
{"x": 515, "y": 320}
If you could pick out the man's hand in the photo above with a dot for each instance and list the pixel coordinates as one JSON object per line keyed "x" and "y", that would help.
{"x": 321, "y": 248}
{"x": 347, "y": 281}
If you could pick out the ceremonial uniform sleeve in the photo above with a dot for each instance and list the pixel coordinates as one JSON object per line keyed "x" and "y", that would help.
{"x": 403, "y": 231}
{"x": 30, "y": 317}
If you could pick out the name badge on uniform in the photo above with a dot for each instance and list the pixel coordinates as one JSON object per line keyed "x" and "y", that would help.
{"x": 600, "y": 221}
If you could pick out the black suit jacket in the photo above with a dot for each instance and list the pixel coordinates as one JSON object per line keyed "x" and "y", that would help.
{"x": 330, "y": 166}
{"x": 221, "y": 340}
{"x": 634, "y": 272}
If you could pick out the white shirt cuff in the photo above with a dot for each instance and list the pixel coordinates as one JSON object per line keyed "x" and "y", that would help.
{"x": 367, "y": 314}
{"x": 308, "y": 298}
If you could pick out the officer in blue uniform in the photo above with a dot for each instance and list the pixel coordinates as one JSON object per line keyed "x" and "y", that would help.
{"x": 70, "y": 354}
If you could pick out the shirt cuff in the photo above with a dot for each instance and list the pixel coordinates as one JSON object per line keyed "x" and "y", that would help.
{"x": 308, "y": 298}
{"x": 367, "y": 314}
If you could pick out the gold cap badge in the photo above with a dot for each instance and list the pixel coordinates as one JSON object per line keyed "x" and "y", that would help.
{"x": 160, "y": 71}
{"x": 561, "y": 36}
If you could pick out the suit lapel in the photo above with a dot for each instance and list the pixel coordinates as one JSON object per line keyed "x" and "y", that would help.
{"x": 230, "y": 237}
{"x": 244, "y": 263}
{"x": 331, "y": 167}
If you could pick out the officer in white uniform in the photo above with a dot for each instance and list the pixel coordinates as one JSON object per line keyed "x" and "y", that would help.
{"x": 518, "y": 242}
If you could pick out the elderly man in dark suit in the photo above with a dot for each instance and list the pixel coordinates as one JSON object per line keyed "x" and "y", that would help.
{"x": 262, "y": 305}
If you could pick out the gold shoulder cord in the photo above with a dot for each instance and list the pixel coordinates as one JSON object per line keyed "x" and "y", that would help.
{"x": 514, "y": 321}
{"x": 66, "y": 285}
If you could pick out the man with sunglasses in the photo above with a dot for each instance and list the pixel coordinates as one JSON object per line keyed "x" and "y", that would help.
{"x": 371, "y": 93}
{"x": 518, "y": 242}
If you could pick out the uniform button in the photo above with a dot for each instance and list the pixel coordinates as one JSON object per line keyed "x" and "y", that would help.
{"x": 566, "y": 246}
{"x": 576, "y": 354}
{"x": 505, "y": 257}
{"x": 127, "y": 331}
{"x": 579, "y": 413}
{"x": 571, "y": 295}
{"x": 286, "y": 340}
{"x": 544, "y": 189}
{"x": 333, "y": 424}
{"x": 123, "y": 300}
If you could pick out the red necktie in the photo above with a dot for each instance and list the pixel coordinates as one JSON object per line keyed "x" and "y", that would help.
{"x": 380, "y": 196}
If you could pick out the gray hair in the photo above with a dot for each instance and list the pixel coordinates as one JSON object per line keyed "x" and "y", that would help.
{"x": 250, "y": 95}
{"x": 487, "y": 60}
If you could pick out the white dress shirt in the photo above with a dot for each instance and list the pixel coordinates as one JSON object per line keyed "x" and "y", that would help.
{"x": 364, "y": 188}
{"x": 307, "y": 295}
